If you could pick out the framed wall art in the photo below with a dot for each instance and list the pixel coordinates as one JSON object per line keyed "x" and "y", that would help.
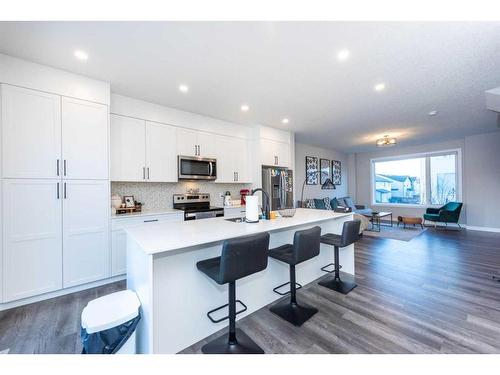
{"x": 311, "y": 170}
{"x": 336, "y": 172}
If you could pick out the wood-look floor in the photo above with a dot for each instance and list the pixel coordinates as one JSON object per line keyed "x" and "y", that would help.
{"x": 434, "y": 294}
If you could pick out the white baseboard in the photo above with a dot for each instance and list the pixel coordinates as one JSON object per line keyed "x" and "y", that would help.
{"x": 61, "y": 292}
{"x": 484, "y": 229}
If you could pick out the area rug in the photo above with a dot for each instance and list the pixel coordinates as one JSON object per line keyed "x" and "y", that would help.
{"x": 396, "y": 233}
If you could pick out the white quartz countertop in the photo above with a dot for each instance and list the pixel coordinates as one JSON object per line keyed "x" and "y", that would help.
{"x": 160, "y": 237}
{"x": 146, "y": 212}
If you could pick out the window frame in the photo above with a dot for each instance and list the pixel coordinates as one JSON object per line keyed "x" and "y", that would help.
{"x": 427, "y": 156}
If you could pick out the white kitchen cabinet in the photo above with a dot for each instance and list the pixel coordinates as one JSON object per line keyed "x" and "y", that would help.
{"x": 274, "y": 153}
{"x": 86, "y": 250}
{"x": 196, "y": 143}
{"x": 233, "y": 165}
{"x": 31, "y": 133}
{"x": 161, "y": 153}
{"x": 32, "y": 225}
{"x": 128, "y": 149}
{"x": 84, "y": 139}
{"x": 119, "y": 237}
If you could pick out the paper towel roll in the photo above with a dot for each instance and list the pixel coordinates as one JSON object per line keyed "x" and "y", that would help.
{"x": 252, "y": 208}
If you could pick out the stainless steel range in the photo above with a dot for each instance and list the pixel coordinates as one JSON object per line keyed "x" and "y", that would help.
{"x": 196, "y": 206}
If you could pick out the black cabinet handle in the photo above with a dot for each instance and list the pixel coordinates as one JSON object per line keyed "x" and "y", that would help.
{"x": 150, "y": 221}
{"x": 64, "y": 167}
{"x": 65, "y": 196}
{"x": 58, "y": 197}
{"x": 58, "y": 167}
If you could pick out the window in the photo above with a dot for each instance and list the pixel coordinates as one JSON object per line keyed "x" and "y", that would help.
{"x": 416, "y": 180}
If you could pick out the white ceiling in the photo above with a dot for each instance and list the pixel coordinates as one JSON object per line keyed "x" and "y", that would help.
{"x": 290, "y": 69}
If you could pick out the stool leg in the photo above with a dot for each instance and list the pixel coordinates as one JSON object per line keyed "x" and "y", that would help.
{"x": 291, "y": 311}
{"x": 336, "y": 284}
{"x": 237, "y": 341}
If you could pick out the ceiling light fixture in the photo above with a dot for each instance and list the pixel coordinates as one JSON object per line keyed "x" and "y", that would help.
{"x": 183, "y": 88}
{"x": 386, "y": 141}
{"x": 379, "y": 87}
{"x": 343, "y": 55}
{"x": 245, "y": 108}
{"x": 285, "y": 121}
{"x": 81, "y": 55}
{"x": 433, "y": 113}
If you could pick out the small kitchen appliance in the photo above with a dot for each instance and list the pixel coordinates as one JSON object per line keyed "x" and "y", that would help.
{"x": 243, "y": 194}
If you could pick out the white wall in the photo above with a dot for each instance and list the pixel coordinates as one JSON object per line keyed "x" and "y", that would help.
{"x": 482, "y": 180}
{"x": 314, "y": 191}
{"x": 363, "y": 174}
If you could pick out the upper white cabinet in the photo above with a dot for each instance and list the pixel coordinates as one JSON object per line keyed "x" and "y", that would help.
{"x": 274, "y": 153}
{"x": 161, "y": 153}
{"x": 142, "y": 150}
{"x": 31, "y": 133}
{"x": 84, "y": 139}
{"x": 232, "y": 160}
{"x": 32, "y": 230}
{"x": 128, "y": 148}
{"x": 196, "y": 143}
{"x": 86, "y": 243}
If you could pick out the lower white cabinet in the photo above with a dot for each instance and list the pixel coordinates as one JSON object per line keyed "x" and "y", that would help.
{"x": 119, "y": 237}
{"x": 86, "y": 255}
{"x": 32, "y": 231}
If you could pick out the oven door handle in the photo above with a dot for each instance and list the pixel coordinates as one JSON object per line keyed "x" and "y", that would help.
{"x": 211, "y": 169}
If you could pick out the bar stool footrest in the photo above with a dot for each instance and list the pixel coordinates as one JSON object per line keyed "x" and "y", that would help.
{"x": 225, "y": 317}
{"x": 275, "y": 290}
{"x": 324, "y": 268}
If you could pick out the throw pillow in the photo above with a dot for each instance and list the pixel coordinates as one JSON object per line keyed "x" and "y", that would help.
{"x": 349, "y": 203}
{"x": 310, "y": 203}
{"x": 328, "y": 206}
{"x": 319, "y": 204}
{"x": 334, "y": 203}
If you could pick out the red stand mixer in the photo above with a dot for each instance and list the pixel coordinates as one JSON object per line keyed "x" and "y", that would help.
{"x": 244, "y": 193}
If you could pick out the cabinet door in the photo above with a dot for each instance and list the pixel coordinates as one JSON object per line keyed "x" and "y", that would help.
{"x": 225, "y": 165}
{"x": 207, "y": 145}
{"x": 128, "y": 149}
{"x": 118, "y": 252}
{"x": 31, "y": 133}
{"x": 241, "y": 160}
{"x": 187, "y": 142}
{"x": 86, "y": 242}
{"x": 32, "y": 237}
{"x": 283, "y": 154}
{"x": 268, "y": 152}
{"x": 84, "y": 139}
{"x": 161, "y": 153}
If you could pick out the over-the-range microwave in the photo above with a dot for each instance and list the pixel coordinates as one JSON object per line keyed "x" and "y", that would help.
{"x": 196, "y": 168}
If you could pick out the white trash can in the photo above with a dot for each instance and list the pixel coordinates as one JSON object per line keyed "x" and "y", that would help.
{"x": 109, "y": 322}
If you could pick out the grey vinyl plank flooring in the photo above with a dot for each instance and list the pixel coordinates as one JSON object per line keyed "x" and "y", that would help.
{"x": 434, "y": 294}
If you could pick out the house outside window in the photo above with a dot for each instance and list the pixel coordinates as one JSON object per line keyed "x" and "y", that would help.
{"x": 418, "y": 180}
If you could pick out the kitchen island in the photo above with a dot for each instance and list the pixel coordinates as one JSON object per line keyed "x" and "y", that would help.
{"x": 175, "y": 296}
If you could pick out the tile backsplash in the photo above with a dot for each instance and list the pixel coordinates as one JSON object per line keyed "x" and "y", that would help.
{"x": 158, "y": 195}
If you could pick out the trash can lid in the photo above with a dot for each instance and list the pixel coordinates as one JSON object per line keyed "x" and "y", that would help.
{"x": 110, "y": 311}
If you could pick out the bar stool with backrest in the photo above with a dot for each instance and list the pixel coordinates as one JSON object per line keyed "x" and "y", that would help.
{"x": 306, "y": 244}
{"x": 240, "y": 257}
{"x": 350, "y": 234}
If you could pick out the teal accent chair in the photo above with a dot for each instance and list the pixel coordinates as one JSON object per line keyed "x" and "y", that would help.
{"x": 449, "y": 213}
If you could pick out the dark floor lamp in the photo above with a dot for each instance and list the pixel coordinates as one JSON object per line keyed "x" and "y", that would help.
{"x": 328, "y": 184}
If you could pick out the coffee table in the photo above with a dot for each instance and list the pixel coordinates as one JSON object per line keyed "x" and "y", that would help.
{"x": 375, "y": 219}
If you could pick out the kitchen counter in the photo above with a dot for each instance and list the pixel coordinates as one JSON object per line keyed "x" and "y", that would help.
{"x": 175, "y": 296}
{"x": 163, "y": 237}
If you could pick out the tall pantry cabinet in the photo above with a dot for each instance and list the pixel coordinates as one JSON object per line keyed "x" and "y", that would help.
{"x": 55, "y": 192}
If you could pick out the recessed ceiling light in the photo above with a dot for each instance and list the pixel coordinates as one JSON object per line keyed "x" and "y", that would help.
{"x": 245, "y": 108}
{"x": 433, "y": 113}
{"x": 285, "y": 121}
{"x": 81, "y": 55}
{"x": 343, "y": 55}
{"x": 183, "y": 88}
{"x": 379, "y": 87}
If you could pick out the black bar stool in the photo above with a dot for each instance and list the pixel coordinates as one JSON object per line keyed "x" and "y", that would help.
{"x": 306, "y": 244}
{"x": 350, "y": 234}
{"x": 240, "y": 257}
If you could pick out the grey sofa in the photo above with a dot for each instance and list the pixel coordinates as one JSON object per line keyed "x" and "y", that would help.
{"x": 357, "y": 208}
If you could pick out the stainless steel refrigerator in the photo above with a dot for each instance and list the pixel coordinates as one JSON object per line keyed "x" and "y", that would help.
{"x": 278, "y": 183}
